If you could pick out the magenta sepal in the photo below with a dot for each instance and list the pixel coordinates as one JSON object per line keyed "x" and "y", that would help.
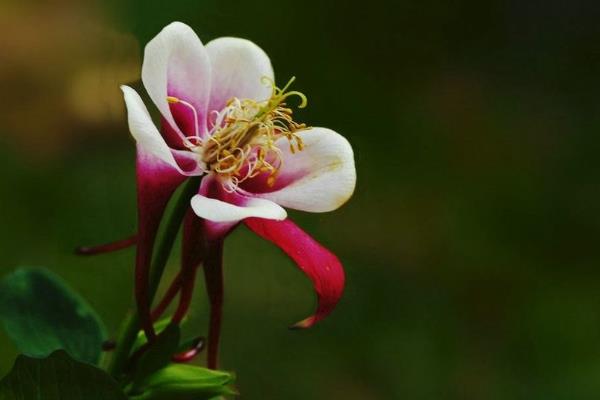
{"x": 156, "y": 182}
{"x": 320, "y": 265}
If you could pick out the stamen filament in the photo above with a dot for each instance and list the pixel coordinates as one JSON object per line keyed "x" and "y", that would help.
{"x": 242, "y": 140}
{"x": 177, "y": 100}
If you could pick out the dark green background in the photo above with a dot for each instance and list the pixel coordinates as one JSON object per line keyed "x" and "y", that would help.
{"x": 469, "y": 245}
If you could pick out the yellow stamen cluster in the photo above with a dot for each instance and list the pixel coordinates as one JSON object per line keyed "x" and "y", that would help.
{"x": 242, "y": 141}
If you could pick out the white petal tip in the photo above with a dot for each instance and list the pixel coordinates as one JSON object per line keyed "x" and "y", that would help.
{"x": 220, "y": 211}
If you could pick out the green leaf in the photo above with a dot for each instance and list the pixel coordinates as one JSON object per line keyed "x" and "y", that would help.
{"x": 158, "y": 355}
{"x": 42, "y": 314}
{"x": 186, "y": 382}
{"x": 57, "y": 377}
{"x": 159, "y": 326}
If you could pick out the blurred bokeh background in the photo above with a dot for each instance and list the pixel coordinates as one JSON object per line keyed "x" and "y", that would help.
{"x": 470, "y": 244}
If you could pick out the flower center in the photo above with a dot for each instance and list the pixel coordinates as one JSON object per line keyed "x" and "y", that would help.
{"x": 242, "y": 140}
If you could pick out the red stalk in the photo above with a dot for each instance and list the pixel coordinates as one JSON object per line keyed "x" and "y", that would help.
{"x": 192, "y": 254}
{"x": 106, "y": 247}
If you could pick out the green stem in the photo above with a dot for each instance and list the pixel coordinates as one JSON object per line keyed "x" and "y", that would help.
{"x": 131, "y": 325}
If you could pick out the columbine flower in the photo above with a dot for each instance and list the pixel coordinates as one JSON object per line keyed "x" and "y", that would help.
{"x": 223, "y": 118}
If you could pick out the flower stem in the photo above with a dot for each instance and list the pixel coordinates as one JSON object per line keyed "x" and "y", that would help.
{"x": 131, "y": 325}
{"x": 167, "y": 299}
{"x": 213, "y": 275}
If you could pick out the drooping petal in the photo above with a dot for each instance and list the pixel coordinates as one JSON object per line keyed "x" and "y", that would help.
{"x": 238, "y": 69}
{"x": 156, "y": 182}
{"x": 215, "y": 204}
{"x": 319, "y": 178}
{"x": 151, "y": 142}
{"x": 176, "y": 64}
{"x": 320, "y": 265}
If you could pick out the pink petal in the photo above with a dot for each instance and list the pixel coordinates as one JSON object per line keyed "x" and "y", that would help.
{"x": 176, "y": 64}
{"x": 156, "y": 182}
{"x": 188, "y": 163}
{"x": 238, "y": 69}
{"x": 150, "y": 140}
{"x": 320, "y": 265}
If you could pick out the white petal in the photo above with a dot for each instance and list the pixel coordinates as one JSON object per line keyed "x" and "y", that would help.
{"x": 220, "y": 211}
{"x": 143, "y": 129}
{"x": 238, "y": 69}
{"x": 319, "y": 178}
{"x": 176, "y": 64}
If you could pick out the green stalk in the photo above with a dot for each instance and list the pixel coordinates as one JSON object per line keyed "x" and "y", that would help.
{"x": 131, "y": 325}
